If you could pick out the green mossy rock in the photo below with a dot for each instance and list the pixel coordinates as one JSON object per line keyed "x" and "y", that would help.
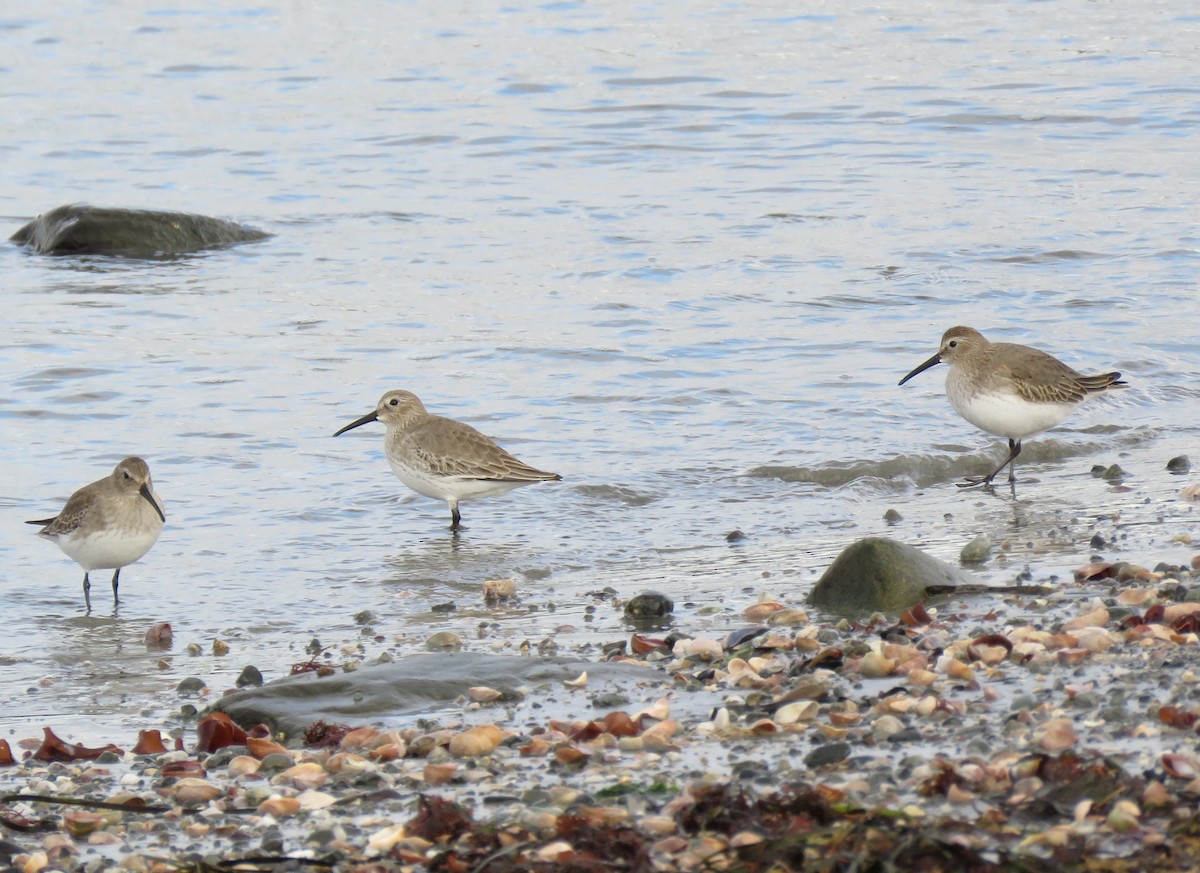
{"x": 877, "y": 574}
{"x": 79, "y": 229}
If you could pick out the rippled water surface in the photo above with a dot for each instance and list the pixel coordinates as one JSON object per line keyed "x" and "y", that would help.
{"x": 679, "y": 252}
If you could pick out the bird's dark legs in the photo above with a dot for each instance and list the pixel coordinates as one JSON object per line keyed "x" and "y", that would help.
{"x": 1014, "y": 449}
{"x": 87, "y": 589}
{"x": 455, "y": 518}
{"x": 116, "y": 580}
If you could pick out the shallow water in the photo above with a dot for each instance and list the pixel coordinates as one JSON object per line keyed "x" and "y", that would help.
{"x": 680, "y": 253}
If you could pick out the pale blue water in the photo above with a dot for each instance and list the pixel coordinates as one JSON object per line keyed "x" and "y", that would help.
{"x": 680, "y": 253}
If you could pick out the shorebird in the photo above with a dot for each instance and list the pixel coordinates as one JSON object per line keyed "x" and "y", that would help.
{"x": 109, "y": 524}
{"x": 1010, "y": 390}
{"x": 443, "y": 458}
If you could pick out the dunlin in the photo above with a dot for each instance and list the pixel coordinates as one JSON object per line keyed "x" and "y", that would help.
{"x": 1010, "y": 390}
{"x": 109, "y": 524}
{"x": 443, "y": 458}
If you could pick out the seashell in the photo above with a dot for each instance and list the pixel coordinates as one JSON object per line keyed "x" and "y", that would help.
{"x": 875, "y": 666}
{"x": 922, "y": 677}
{"x": 1097, "y": 617}
{"x": 798, "y": 710}
{"x": 744, "y": 838}
{"x": 832, "y": 733}
{"x": 310, "y": 800}
{"x": 762, "y": 610}
{"x": 1123, "y": 817}
{"x": 439, "y": 774}
{"x": 701, "y": 648}
{"x": 279, "y": 807}
{"x": 360, "y": 738}
{"x": 483, "y": 694}
{"x": 193, "y": 792}
{"x": 350, "y": 764}
{"x": 1135, "y": 596}
{"x": 244, "y": 765}
{"x": 1057, "y": 734}
{"x": 307, "y": 775}
{"x": 260, "y": 747}
{"x": 81, "y": 824}
{"x": 479, "y": 740}
{"x": 789, "y": 615}
{"x": 1176, "y": 611}
{"x": 1179, "y": 766}
{"x": 658, "y": 710}
{"x": 384, "y": 840}
{"x": 579, "y": 682}
{"x": 886, "y": 725}
{"x": 668, "y": 727}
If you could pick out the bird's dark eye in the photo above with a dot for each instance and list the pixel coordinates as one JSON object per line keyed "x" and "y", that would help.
{"x": 126, "y": 475}
{"x": 953, "y": 344}
{"x": 393, "y": 402}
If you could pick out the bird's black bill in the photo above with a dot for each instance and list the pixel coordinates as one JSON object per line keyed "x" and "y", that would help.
{"x": 148, "y": 494}
{"x": 932, "y": 362}
{"x": 366, "y": 419}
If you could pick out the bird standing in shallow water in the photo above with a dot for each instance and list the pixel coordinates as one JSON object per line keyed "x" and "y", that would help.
{"x": 1010, "y": 390}
{"x": 109, "y": 524}
{"x": 443, "y": 458}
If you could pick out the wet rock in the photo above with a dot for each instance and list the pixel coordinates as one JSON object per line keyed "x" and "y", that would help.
{"x": 892, "y": 516}
{"x": 735, "y": 536}
{"x": 190, "y": 685}
{"x": 78, "y": 229}
{"x": 250, "y": 676}
{"x": 1098, "y": 543}
{"x": 877, "y": 574}
{"x": 650, "y": 604}
{"x": 416, "y": 684}
{"x": 976, "y": 551}
{"x": 444, "y": 640}
{"x": 1179, "y": 464}
{"x": 1114, "y": 473}
{"x": 830, "y": 753}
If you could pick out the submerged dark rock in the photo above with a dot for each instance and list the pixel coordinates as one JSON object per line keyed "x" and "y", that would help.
{"x": 419, "y": 684}
{"x": 79, "y": 229}
{"x": 877, "y": 574}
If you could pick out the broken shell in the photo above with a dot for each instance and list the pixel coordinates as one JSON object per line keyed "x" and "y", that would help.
{"x": 484, "y": 694}
{"x": 578, "y": 682}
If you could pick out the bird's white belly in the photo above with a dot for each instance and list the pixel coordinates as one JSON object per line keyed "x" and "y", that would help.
{"x": 1006, "y": 415}
{"x": 108, "y": 549}
{"x": 449, "y": 488}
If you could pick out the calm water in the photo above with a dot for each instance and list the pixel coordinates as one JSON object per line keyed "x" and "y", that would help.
{"x": 680, "y": 252}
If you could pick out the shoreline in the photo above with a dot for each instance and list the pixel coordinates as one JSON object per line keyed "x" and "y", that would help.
{"x": 999, "y": 730}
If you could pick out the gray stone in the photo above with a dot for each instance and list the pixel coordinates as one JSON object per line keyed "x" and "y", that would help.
{"x": 877, "y": 574}
{"x": 78, "y": 229}
{"x": 430, "y": 685}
